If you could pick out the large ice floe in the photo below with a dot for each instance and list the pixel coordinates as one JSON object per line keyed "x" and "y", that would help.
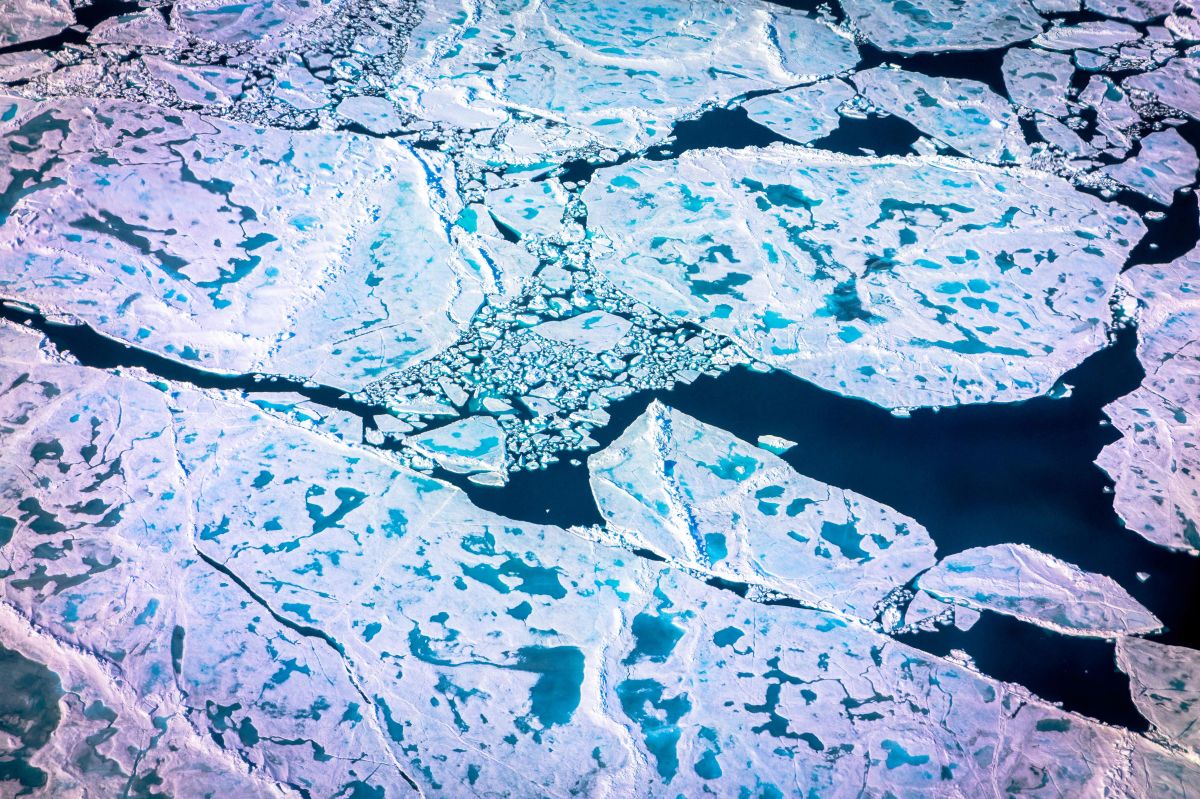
{"x": 906, "y": 281}
{"x": 308, "y": 287}
{"x": 321, "y": 255}
{"x": 1156, "y": 463}
{"x": 252, "y": 608}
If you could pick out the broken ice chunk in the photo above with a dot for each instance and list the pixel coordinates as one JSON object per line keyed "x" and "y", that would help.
{"x": 709, "y": 501}
{"x": 1020, "y": 581}
{"x": 1156, "y": 462}
{"x": 587, "y": 75}
{"x": 1175, "y": 85}
{"x": 1087, "y": 36}
{"x": 963, "y": 114}
{"x": 373, "y": 113}
{"x": 530, "y": 208}
{"x": 1165, "y": 163}
{"x": 1165, "y": 682}
{"x": 1038, "y": 79}
{"x": 776, "y": 444}
{"x": 801, "y": 114}
{"x": 474, "y": 444}
{"x": 915, "y": 26}
{"x": 595, "y": 331}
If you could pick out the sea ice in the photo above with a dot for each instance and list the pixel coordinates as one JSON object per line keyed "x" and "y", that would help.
{"x": 915, "y": 26}
{"x": 1165, "y": 163}
{"x": 1020, "y": 581}
{"x": 315, "y": 254}
{"x": 261, "y": 610}
{"x": 1038, "y": 80}
{"x": 584, "y": 75}
{"x": 708, "y": 501}
{"x": 963, "y": 114}
{"x": 801, "y": 114}
{"x": 1156, "y": 463}
{"x": 29, "y": 20}
{"x": 474, "y": 444}
{"x": 917, "y": 281}
{"x": 1163, "y": 680}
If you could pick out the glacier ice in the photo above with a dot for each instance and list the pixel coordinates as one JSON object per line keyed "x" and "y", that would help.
{"x": 1020, "y": 581}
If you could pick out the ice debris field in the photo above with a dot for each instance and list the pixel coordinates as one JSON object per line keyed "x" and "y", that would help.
{"x": 599, "y": 398}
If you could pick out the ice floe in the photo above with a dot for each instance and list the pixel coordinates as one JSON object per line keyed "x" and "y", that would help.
{"x": 1156, "y": 463}
{"x": 936, "y": 25}
{"x": 1162, "y": 679}
{"x": 905, "y": 281}
{"x": 706, "y": 500}
{"x": 1020, "y": 581}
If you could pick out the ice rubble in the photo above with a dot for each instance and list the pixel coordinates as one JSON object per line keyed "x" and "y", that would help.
{"x": 542, "y": 78}
{"x": 705, "y": 500}
{"x": 1156, "y": 463}
{"x": 1163, "y": 681}
{"x": 919, "y": 281}
{"x": 915, "y": 26}
{"x": 963, "y": 114}
{"x": 1020, "y": 581}
{"x": 323, "y": 255}
{"x": 243, "y": 605}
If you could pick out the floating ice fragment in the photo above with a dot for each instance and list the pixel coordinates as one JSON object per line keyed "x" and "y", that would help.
{"x": 1020, "y": 581}
{"x": 702, "y": 498}
{"x": 910, "y": 282}
{"x": 596, "y": 331}
{"x": 474, "y": 444}
{"x": 776, "y": 444}
{"x": 373, "y": 113}
{"x": 1156, "y": 462}
{"x": 317, "y": 254}
{"x": 1165, "y": 682}
{"x": 1038, "y": 79}
{"x": 963, "y": 114}
{"x": 1165, "y": 163}
{"x": 914, "y": 26}
{"x": 801, "y": 114}
{"x": 1087, "y": 36}
{"x": 589, "y": 75}
{"x": 1175, "y": 85}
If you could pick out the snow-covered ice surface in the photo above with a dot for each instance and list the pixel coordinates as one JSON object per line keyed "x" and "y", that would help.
{"x": 1156, "y": 462}
{"x": 381, "y": 383}
{"x": 907, "y": 281}
{"x": 1020, "y": 581}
